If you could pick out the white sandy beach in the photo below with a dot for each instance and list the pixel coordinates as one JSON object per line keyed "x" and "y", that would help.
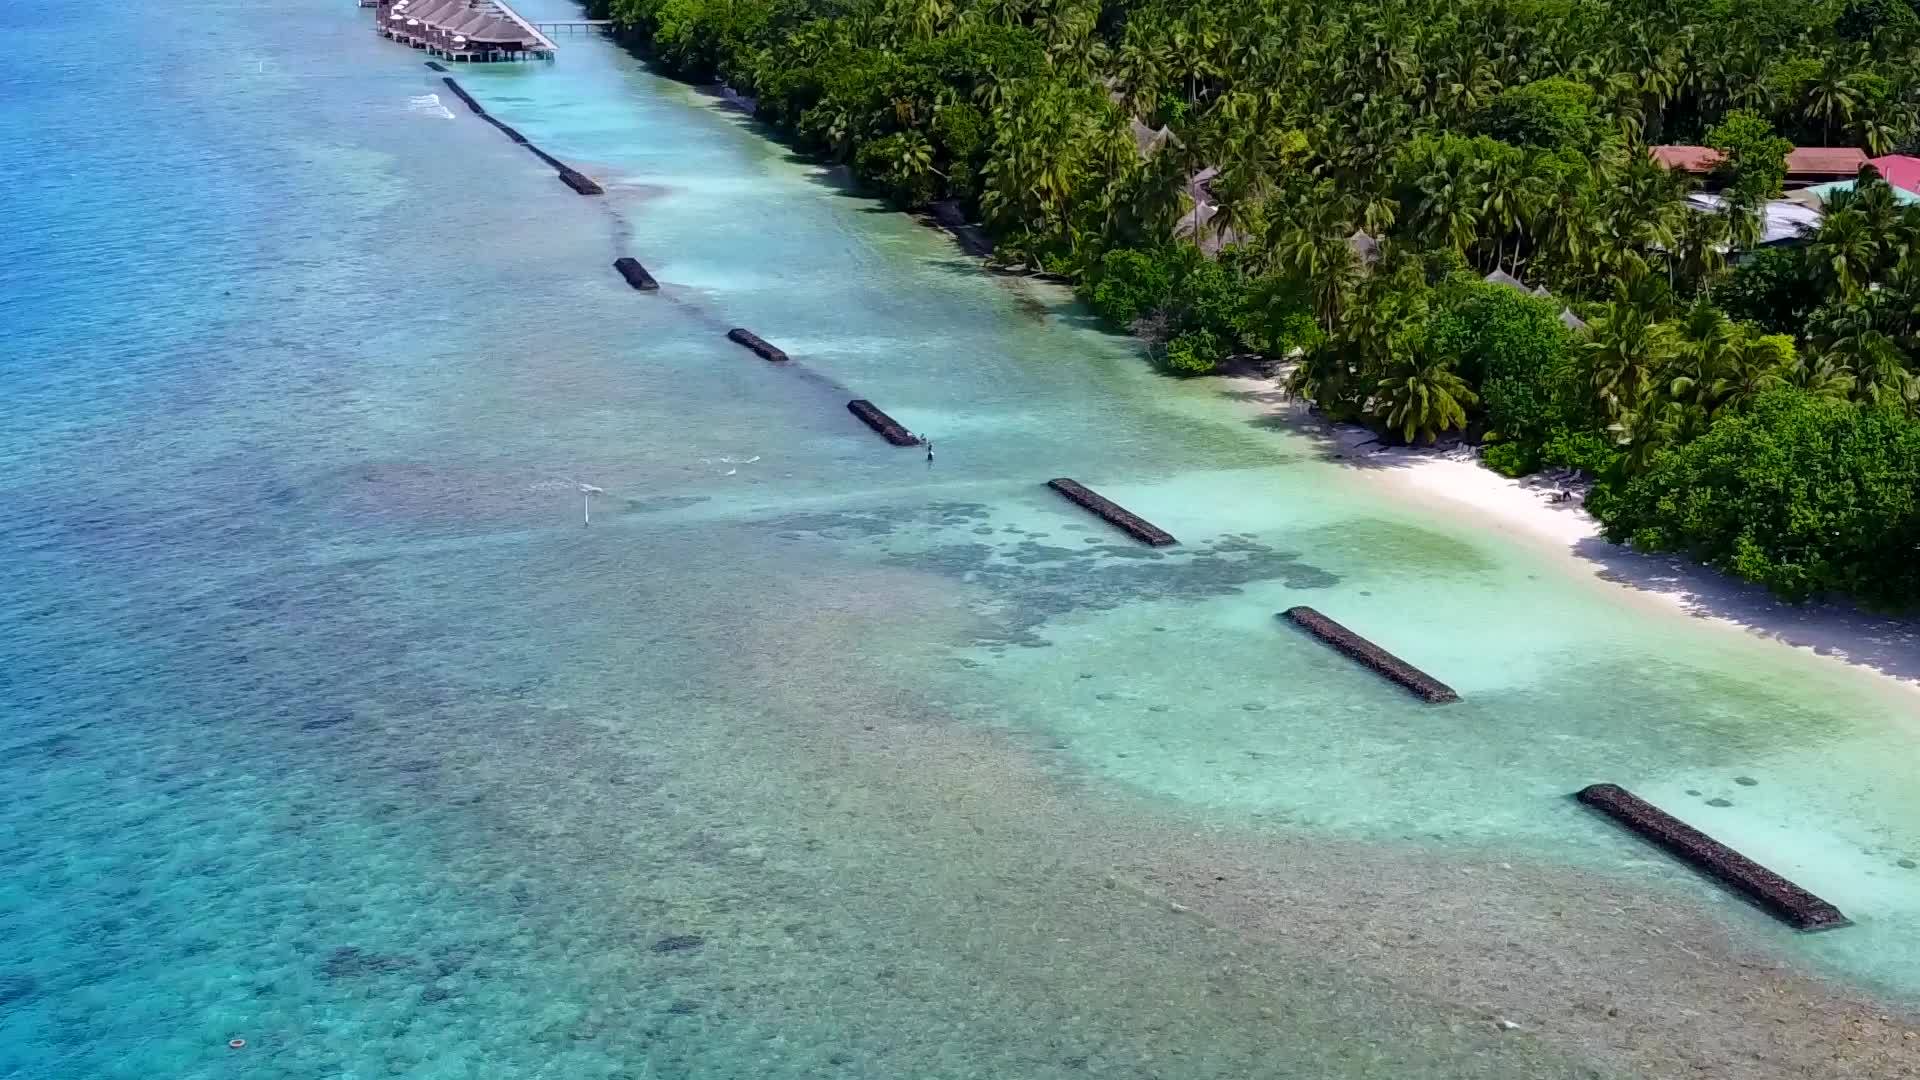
{"x": 1451, "y": 479}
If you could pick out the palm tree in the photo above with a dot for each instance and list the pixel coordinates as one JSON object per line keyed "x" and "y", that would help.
{"x": 1652, "y": 425}
{"x": 1333, "y": 284}
{"x": 1621, "y": 354}
{"x": 1843, "y": 253}
{"x": 1237, "y": 210}
{"x": 1505, "y": 195}
{"x": 922, "y": 19}
{"x": 1832, "y": 96}
{"x": 1422, "y": 396}
{"x": 1855, "y": 340}
{"x": 1756, "y": 363}
{"x": 1449, "y": 207}
{"x": 1744, "y": 225}
{"x": 1881, "y": 214}
{"x": 1819, "y": 376}
{"x": 1702, "y": 251}
{"x": 1141, "y": 76}
{"x": 1700, "y": 356}
{"x": 1325, "y": 376}
{"x": 1462, "y": 87}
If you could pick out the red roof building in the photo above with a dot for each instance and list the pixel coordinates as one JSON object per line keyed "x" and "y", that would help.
{"x": 1899, "y": 170}
{"x": 1805, "y": 164}
{"x": 1818, "y": 164}
{"x": 1700, "y": 160}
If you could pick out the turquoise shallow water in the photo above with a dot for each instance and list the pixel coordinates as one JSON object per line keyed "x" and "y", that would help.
{"x": 328, "y": 725}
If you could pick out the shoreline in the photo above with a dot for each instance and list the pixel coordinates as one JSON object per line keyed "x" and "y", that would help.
{"x": 1450, "y": 479}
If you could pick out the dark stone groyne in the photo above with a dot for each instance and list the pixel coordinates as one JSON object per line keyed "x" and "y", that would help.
{"x": 1781, "y": 898}
{"x": 887, "y": 426}
{"x": 581, "y": 182}
{"x": 757, "y": 343}
{"x": 1113, "y": 513}
{"x": 569, "y": 175}
{"x": 461, "y": 93}
{"x": 507, "y": 130}
{"x": 435, "y": 65}
{"x": 635, "y": 274}
{"x": 1370, "y": 655}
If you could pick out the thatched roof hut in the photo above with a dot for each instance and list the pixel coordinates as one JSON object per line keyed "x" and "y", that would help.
{"x": 1365, "y": 248}
{"x": 1148, "y": 141}
{"x": 1501, "y": 277}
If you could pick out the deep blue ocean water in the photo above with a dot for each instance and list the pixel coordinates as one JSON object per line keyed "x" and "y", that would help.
{"x": 329, "y": 726}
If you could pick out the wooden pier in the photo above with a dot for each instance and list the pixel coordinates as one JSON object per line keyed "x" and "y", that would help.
{"x": 583, "y": 26}
{"x": 463, "y": 30}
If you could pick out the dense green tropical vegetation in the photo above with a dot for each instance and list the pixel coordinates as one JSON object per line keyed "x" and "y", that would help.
{"x": 1329, "y": 181}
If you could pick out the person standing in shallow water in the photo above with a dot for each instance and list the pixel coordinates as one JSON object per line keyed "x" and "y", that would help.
{"x": 929, "y": 443}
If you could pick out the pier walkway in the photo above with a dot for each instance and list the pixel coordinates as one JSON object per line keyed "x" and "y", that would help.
{"x": 588, "y": 26}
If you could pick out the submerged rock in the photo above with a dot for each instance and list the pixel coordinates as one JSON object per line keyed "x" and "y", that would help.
{"x": 678, "y": 943}
{"x": 19, "y": 987}
{"x": 348, "y": 962}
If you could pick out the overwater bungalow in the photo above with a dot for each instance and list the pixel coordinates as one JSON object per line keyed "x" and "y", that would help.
{"x": 470, "y": 30}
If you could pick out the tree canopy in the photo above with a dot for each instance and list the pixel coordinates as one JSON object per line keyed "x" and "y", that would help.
{"x": 1443, "y": 215}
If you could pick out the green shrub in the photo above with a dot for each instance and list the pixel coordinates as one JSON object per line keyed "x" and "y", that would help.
{"x": 899, "y": 166}
{"x": 1756, "y": 157}
{"x": 960, "y": 131}
{"x": 1584, "y": 449}
{"x": 1770, "y": 289}
{"x": 1196, "y": 352}
{"x": 1801, "y": 494}
{"x": 1553, "y": 114}
{"x": 1207, "y": 298}
{"x": 1129, "y": 284}
{"x": 1512, "y": 349}
{"x": 1511, "y": 459}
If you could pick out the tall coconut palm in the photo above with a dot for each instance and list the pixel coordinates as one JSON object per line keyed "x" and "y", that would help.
{"x": 1421, "y": 397}
{"x": 1620, "y": 357}
{"x": 1449, "y": 208}
{"x": 1844, "y": 252}
{"x": 1832, "y": 96}
{"x": 1699, "y": 356}
{"x": 1856, "y": 339}
{"x": 1647, "y": 429}
{"x": 1755, "y": 363}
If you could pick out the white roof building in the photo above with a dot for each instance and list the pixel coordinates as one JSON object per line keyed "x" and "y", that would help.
{"x": 1781, "y": 221}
